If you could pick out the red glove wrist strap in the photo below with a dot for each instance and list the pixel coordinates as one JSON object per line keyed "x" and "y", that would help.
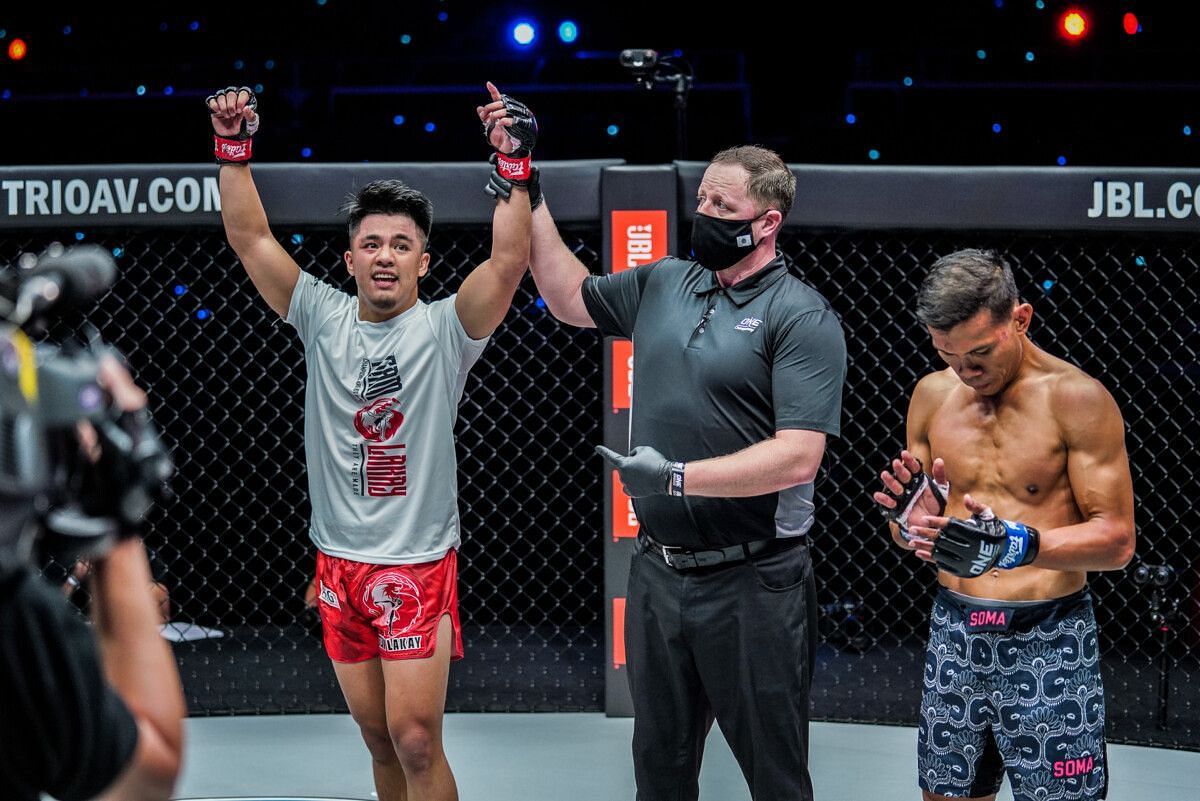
{"x": 513, "y": 169}
{"x": 232, "y": 151}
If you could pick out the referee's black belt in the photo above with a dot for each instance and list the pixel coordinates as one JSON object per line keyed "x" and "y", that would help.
{"x": 682, "y": 558}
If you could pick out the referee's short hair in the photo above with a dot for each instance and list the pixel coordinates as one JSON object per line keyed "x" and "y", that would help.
{"x": 772, "y": 185}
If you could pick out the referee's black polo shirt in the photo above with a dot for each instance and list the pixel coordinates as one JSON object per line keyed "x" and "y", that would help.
{"x": 716, "y": 370}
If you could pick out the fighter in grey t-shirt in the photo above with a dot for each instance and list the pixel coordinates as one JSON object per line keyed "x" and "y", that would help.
{"x": 385, "y": 374}
{"x": 379, "y": 412}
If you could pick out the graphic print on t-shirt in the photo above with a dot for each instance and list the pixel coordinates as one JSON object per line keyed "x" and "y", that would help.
{"x": 377, "y": 378}
{"x": 380, "y": 420}
{"x": 379, "y": 470}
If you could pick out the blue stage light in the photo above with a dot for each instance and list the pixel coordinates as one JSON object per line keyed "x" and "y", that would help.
{"x": 430, "y": 127}
{"x": 873, "y": 154}
{"x": 851, "y": 119}
{"x": 1062, "y": 161}
{"x": 398, "y": 119}
{"x": 613, "y": 130}
{"x": 203, "y": 314}
{"x": 981, "y": 54}
{"x": 180, "y": 289}
{"x": 568, "y": 31}
{"x": 1047, "y": 285}
{"x": 141, "y": 90}
{"x": 997, "y": 127}
{"x": 305, "y": 152}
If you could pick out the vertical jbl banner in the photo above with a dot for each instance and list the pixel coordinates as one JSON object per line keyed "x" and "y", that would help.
{"x": 639, "y": 217}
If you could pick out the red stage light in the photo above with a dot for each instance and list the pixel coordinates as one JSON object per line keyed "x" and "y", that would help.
{"x": 1130, "y": 22}
{"x": 17, "y": 49}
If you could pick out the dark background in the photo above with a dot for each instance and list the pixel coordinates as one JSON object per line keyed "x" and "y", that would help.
{"x": 335, "y": 75}
{"x": 335, "y": 80}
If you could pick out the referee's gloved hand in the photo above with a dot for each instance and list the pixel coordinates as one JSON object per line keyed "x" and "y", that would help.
{"x": 645, "y": 471}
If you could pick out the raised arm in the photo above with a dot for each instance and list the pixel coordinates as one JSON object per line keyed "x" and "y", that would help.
{"x": 486, "y": 295}
{"x": 556, "y": 271}
{"x": 273, "y": 272}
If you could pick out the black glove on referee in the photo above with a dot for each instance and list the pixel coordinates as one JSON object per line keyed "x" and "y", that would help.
{"x": 645, "y": 471}
{"x": 500, "y": 187}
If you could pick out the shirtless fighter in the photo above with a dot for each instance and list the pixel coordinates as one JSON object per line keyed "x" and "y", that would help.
{"x": 1028, "y": 489}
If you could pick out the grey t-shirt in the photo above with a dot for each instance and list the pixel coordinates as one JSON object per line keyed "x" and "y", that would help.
{"x": 716, "y": 370}
{"x": 379, "y": 413}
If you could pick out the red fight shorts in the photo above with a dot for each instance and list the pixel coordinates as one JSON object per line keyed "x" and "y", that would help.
{"x": 386, "y": 611}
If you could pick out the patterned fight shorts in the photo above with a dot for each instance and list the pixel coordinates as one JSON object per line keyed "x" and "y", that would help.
{"x": 389, "y": 611}
{"x": 1013, "y": 686}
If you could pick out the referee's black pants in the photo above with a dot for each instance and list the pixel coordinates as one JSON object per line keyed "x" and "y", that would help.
{"x": 735, "y": 642}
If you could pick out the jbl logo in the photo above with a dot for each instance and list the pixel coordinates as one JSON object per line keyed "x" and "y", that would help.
{"x": 638, "y": 237}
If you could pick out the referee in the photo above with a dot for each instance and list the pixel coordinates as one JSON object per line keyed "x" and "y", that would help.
{"x": 739, "y": 369}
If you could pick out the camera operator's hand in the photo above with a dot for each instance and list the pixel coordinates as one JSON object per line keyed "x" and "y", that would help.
{"x": 130, "y": 466}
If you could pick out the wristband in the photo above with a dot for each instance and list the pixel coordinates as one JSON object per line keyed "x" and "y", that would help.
{"x": 232, "y": 151}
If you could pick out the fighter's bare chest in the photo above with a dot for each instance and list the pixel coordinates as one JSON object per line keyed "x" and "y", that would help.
{"x": 1016, "y": 450}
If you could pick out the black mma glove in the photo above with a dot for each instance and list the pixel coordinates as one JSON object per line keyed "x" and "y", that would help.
{"x": 968, "y": 548}
{"x": 515, "y": 166}
{"x": 907, "y": 500}
{"x": 645, "y": 471}
{"x": 238, "y": 148}
{"x": 500, "y": 187}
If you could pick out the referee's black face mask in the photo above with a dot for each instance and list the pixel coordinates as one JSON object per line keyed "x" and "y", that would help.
{"x": 718, "y": 243}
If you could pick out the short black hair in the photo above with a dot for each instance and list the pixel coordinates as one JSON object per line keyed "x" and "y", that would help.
{"x": 962, "y": 283}
{"x": 389, "y": 196}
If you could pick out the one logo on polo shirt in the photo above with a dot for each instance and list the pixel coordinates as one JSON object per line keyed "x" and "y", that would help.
{"x": 380, "y": 420}
{"x": 750, "y": 324}
{"x": 394, "y": 599}
{"x": 377, "y": 378}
